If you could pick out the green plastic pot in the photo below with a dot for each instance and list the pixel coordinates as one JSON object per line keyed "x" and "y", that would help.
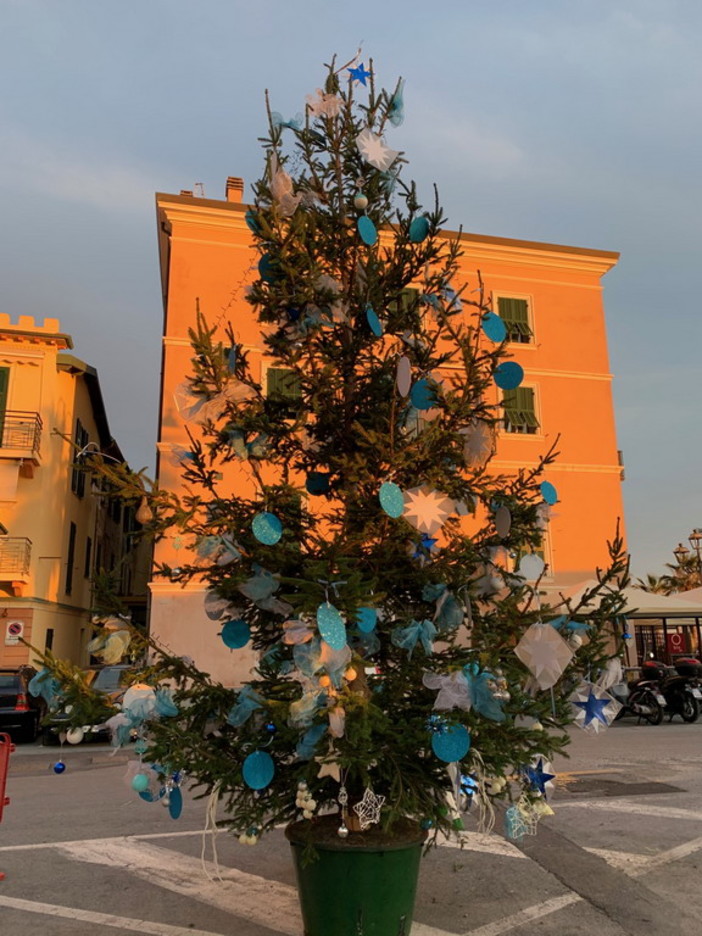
{"x": 364, "y": 885}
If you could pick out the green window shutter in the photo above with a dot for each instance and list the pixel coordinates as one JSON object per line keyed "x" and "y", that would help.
{"x": 520, "y": 411}
{"x": 283, "y": 382}
{"x": 407, "y": 300}
{"x": 515, "y": 314}
{"x": 283, "y": 387}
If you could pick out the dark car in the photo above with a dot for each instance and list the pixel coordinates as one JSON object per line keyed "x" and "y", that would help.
{"x": 105, "y": 679}
{"x": 20, "y": 712}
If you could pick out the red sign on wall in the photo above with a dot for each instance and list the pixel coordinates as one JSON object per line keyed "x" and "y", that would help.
{"x": 677, "y": 643}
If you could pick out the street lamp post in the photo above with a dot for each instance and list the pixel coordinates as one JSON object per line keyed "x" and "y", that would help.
{"x": 695, "y": 540}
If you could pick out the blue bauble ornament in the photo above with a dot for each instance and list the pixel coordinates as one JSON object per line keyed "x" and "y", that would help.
{"x": 140, "y": 782}
{"x": 59, "y": 767}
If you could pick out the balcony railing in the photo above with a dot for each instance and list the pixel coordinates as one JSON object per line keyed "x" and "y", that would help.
{"x": 20, "y": 430}
{"x": 15, "y": 555}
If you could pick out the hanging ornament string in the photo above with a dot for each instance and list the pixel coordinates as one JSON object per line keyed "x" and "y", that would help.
{"x": 211, "y": 829}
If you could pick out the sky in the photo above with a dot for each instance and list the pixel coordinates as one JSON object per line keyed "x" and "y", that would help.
{"x": 563, "y": 121}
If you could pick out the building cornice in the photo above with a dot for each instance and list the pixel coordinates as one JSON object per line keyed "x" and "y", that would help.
{"x": 478, "y": 249}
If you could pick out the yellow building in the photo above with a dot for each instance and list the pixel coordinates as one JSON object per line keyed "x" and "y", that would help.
{"x": 55, "y": 529}
{"x": 550, "y": 297}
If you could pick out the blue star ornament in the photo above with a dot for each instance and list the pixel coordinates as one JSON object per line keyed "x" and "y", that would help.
{"x": 593, "y": 709}
{"x": 359, "y": 74}
{"x": 538, "y": 776}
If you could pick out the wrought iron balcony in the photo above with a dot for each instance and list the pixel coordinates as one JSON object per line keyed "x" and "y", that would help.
{"x": 20, "y": 431}
{"x": 15, "y": 556}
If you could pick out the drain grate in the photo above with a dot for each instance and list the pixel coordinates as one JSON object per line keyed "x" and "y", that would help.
{"x": 603, "y": 786}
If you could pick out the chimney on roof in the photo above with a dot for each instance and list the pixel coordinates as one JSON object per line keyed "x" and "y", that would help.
{"x": 185, "y": 191}
{"x": 235, "y": 189}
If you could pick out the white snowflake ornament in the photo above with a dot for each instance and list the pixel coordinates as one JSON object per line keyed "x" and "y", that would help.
{"x": 375, "y": 151}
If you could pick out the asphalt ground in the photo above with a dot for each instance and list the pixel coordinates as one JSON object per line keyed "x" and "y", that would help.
{"x": 83, "y": 855}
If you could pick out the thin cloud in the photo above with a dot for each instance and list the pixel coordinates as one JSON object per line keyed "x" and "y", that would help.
{"x": 30, "y": 164}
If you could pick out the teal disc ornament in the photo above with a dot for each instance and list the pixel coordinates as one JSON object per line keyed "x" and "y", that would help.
{"x": 258, "y": 770}
{"x": 331, "y": 626}
{"x": 418, "y": 230}
{"x": 376, "y": 326}
{"x": 175, "y": 803}
{"x": 422, "y": 395}
{"x": 317, "y": 482}
{"x": 367, "y": 230}
{"x": 268, "y": 269}
{"x": 549, "y": 493}
{"x": 366, "y": 619}
{"x": 235, "y": 634}
{"x": 267, "y": 528}
{"x": 251, "y": 219}
{"x": 508, "y": 375}
{"x": 391, "y": 499}
{"x": 452, "y": 744}
{"x": 494, "y": 327}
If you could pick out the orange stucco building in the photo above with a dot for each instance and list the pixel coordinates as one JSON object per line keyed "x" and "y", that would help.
{"x": 57, "y": 529}
{"x": 551, "y": 299}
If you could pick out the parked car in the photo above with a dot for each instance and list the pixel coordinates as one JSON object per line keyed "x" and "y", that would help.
{"x": 20, "y": 712}
{"x": 107, "y": 680}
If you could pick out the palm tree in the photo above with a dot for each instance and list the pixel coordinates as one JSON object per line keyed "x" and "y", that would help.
{"x": 657, "y": 584}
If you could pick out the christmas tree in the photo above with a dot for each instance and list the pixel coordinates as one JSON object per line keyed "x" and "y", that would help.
{"x": 405, "y": 664}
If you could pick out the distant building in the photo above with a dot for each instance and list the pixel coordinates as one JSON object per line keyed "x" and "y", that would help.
{"x": 57, "y": 528}
{"x": 550, "y": 297}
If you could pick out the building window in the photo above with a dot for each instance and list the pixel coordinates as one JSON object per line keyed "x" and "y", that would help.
{"x": 520, "y": 411}
{"x": 49, "y": 639}
{"x": 71, "y": 558}
{"x": 283, "y": 388}
{"x": 515, "y": 314}
{"x": 88, "y": 556}
{"x": 406, "y": 302}
{"x": 81, "y": 439}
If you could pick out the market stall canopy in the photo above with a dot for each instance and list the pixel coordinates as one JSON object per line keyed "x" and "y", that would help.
{"x": 639, "y": 603}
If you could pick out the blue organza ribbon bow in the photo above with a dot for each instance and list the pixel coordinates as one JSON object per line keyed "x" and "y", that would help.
{"x": 247, "y": 702}
{"x": 407, "y": 637}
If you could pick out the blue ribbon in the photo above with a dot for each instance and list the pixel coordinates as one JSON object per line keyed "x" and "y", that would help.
{"x": 407, "y": 637}
{"x": 247, "y": 702}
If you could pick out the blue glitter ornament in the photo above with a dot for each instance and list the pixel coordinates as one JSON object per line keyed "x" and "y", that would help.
{"x": 59, "y": 767}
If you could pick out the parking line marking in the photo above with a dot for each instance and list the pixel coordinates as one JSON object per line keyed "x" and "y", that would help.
{"x": 102, "y": 919}
{"x": 260, "y": 900}
{"x": 536, "y": 912}
{"x": 635, "y": 807}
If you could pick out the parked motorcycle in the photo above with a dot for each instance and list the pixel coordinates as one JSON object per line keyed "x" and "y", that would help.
{"x": 641, "y": 699}
{"x": 679, "y": 685}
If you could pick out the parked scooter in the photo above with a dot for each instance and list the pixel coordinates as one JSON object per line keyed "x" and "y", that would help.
{"x": 642, "y": 699}
{"x": 679, "y": 685}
